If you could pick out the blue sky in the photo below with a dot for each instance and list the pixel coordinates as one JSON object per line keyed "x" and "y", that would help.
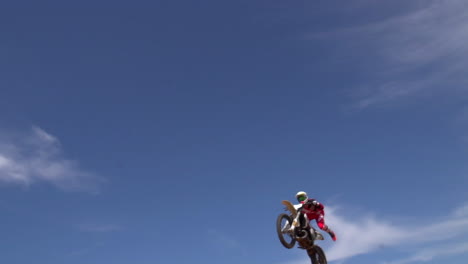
{"x": 169, "y": 131}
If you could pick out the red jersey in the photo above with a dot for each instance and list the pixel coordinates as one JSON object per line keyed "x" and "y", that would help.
{"x": 312, "y": 211}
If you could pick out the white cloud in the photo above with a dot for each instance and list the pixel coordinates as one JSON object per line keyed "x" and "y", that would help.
{"x": 37, "y": 157}
{"x": 428, "y": 254}
{"x": 434, "y": 37}
{"x": 462, "y": 211}
{"x": 417, "y": 53}
{"x": 369, "y": 234}
{"x": 433, "y": 32}
{"x": 360, "y": 236}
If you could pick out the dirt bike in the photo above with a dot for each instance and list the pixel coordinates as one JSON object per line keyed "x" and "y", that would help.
{"x": 294, "y": 227}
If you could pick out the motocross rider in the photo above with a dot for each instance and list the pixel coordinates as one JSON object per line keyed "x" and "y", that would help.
{"x": 313, "y": 210}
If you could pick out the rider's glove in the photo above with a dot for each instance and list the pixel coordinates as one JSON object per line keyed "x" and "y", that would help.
{"x": 311, "y": 203}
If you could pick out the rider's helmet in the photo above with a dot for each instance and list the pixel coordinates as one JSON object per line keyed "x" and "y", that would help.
{"x": 301, "y": 197}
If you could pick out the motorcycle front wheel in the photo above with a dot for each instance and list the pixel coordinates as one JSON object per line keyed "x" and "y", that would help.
{"x": 285, "y": 238}
{"x": 317, "y": 256}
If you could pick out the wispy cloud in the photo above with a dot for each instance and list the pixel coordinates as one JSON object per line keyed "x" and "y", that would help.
{"x": 428, "y": 254}
{"x": 462, "y": 211}
{"x": 37, "y": 156}
{"x": 416, "y": 53}
{"x": 361, "y": 236}
{"x": 369, "y": 234}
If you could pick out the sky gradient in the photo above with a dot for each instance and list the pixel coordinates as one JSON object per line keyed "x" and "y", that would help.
{"x": 170, "y": 131}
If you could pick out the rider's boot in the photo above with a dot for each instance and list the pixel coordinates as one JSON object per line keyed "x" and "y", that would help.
{"x": 330, "y": 232}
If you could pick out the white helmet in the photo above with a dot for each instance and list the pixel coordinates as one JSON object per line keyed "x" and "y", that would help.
{"x": 301, "y": 196}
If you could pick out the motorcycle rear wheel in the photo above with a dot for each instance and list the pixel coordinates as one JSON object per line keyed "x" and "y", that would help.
{"x": 282, "y": 236}
{"x": 317, "y": 256}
